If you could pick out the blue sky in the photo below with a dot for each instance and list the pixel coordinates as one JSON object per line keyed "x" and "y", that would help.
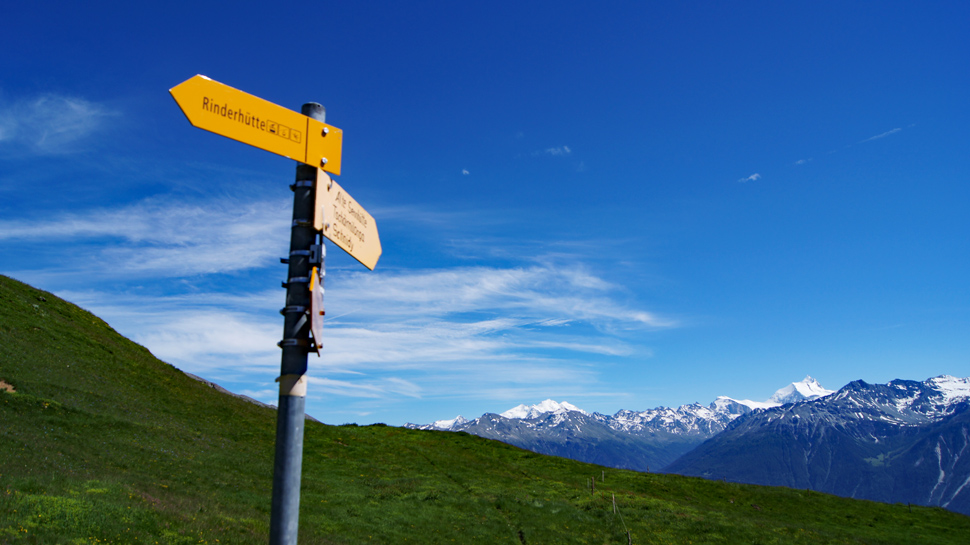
{"x": 622, "y": 206}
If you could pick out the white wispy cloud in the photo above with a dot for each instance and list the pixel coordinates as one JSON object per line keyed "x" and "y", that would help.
{"x": 846, "y": 147}
{"x": 368, "y": 389}
{"x": 160, "y": 237}
{"x": 51, "y": 124}
{"x": 165, "y": 273}
{"x": 883, "y": 135}
{"x": 558, "y": 151}
{"x": 536, "y": 293}
{"x": 479, "y": 328}
{"x": 754, "y": 177}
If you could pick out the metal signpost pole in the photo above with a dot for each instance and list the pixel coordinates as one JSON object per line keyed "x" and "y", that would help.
{"x": 285, "y": 515}
{"x": 232, "y": 113}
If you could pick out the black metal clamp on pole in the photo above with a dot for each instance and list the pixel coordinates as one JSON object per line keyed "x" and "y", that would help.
{"x": 288, "y": 465}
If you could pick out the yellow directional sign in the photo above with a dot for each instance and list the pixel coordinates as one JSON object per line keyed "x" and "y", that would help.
{"x": 251, "y": 120}
{"x": 344, "y": 222}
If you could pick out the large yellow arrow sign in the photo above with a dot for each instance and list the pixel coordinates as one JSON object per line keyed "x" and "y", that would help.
{"x": 345, "y": 222}
{"x": 251, "y": 120}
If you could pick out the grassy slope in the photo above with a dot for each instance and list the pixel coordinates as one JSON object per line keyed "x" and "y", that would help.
{"x": 102, "y": 443}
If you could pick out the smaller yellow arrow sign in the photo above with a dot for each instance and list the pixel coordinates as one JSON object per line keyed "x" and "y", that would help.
{"x": 345, "y": 222}
{"x": 232, "y": 113}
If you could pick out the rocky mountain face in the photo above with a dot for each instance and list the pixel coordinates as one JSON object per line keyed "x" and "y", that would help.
{"x": 639, "y": 440}
{"x": 904, "y": 441}
{"x": 630, "y": 443}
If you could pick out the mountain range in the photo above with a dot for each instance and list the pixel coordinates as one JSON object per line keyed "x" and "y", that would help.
{"x": 905, "y": 441}
{"x": 640, "y": 440}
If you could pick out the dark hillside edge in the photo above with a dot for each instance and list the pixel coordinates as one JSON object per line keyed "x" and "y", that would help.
{"x": 100, "y": 442}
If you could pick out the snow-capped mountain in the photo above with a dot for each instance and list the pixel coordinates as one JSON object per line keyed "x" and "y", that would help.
{"x": 447, "y": 425}
{"x": 807, "y": 389}
{"x": 686, "y": 419}
{"x": 547, "y": 406}
{"x": 905, "y": 441}
{"x": 640, "y": 440}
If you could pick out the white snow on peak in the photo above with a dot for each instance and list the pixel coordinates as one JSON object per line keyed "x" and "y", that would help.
{"x": 722, "y": 402}
{"x": 954, "y": 389}
{"x": 808, "y": 388}
{"x": 447, "y": 425}
{"x": 547, "y": 406}
{"x": 519, "y": 411}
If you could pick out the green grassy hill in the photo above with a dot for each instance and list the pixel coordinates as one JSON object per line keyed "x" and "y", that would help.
{"x": 102, "y": 443}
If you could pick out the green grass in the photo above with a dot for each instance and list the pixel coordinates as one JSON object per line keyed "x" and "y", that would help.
{"x": 102, "y": 443}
